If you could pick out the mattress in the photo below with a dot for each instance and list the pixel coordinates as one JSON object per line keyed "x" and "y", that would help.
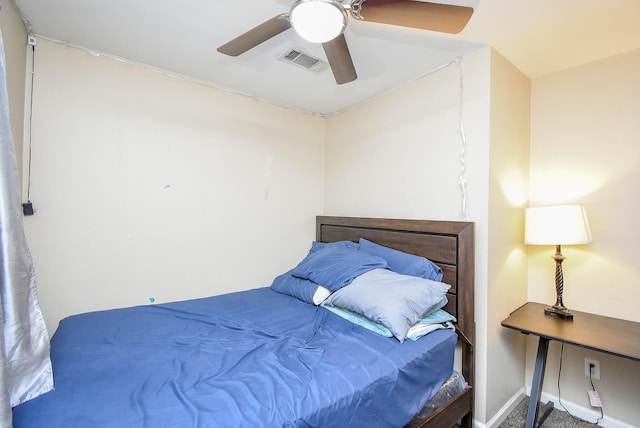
{"x": 251, "y": 358}
{"x": 452, "y": 387}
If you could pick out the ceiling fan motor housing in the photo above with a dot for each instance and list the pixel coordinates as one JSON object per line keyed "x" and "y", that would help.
{"x": 318, "y": 21}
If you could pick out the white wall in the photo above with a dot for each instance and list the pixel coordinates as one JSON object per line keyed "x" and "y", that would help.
{"x": 586, "y": 149}
{"x": 148, "y": 186}
{"x": 399, "y": 156}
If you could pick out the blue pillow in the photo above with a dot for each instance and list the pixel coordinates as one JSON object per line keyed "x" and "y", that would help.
{"x": 435, "y": 317}
{"x": 404, "y": 263}
{"x": 433, "y": 321}
{"x": 302, "y": 289}
{"x": 335, "y": 266}
{"x": 360, "y": 320}
{"x": 389, "y": 298}
{"x": 315, "y": 245}
{"x": 441, "y": 304}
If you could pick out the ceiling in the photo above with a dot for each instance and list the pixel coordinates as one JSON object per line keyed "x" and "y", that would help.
{"x": 537, "y": 36}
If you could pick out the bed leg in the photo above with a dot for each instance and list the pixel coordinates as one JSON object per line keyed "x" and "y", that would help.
{"x": 466, "y": 422}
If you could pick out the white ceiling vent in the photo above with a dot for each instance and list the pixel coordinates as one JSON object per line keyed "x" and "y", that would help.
{"x": 304, "y": 60}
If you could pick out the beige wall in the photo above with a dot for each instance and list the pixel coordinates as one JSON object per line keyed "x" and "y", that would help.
{"x": 508, "y": 196}
{"x": 14, "y": 39}
{"x": 586, "y": 149}
{"x": 148, "y": 186}
{"x": 399, "y": 155}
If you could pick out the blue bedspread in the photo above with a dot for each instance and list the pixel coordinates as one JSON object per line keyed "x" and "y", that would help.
{"x": 247, "y": 359}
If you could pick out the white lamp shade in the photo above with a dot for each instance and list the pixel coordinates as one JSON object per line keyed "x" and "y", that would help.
{"x": 556, "y": 225}
{"x": 318, "y": 21}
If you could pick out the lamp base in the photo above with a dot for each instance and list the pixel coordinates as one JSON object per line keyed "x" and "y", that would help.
{"x": 560, "y": 311}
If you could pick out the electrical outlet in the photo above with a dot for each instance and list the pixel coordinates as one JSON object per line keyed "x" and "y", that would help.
{"x": 592, "y": 366}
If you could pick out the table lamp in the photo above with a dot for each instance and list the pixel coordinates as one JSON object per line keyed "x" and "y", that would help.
{"x": 557, "y": 225}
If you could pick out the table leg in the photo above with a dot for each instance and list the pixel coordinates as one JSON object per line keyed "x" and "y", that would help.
{"x": 536, "y": 387}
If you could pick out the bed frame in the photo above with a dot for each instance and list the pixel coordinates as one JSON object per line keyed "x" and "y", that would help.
{"x": 450, "y": 244}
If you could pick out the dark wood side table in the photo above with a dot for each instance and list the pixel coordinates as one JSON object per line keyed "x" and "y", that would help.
{"x": 604, "y": 334}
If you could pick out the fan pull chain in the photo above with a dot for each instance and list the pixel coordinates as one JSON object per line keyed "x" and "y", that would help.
{"x": 462, "y": 180}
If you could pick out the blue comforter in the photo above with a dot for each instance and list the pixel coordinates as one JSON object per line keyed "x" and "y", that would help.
{"x": 248, "y": 359}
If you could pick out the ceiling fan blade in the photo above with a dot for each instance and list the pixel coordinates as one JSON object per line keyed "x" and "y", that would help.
{"x": 339, "y": 59}
{"x": 256, "y": 35}
{"x": 444, "y": 18}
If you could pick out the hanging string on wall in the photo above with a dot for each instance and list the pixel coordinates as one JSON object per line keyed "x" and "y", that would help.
{"x": 27, "y": 207}
{"x": 462, "y": 179}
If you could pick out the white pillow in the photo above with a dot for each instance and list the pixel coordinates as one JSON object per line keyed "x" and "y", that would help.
{"x": 320, "y": 295}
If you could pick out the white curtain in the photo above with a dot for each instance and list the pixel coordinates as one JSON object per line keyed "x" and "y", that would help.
{"x": 25, "y": 366}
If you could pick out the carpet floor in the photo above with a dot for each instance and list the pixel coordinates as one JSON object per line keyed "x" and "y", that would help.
{"x": 556, "y": 419}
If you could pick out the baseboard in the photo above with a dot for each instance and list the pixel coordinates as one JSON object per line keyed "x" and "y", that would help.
{"x": 504, "y": 411}
{"x": 581, "y": 412}
{"x": 587, "y": 414}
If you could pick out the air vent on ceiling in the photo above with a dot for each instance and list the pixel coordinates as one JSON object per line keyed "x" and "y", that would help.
{"x": 303, "y": 60}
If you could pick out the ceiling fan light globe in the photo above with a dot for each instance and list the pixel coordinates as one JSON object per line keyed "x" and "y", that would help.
{"x": 318, "y": 21}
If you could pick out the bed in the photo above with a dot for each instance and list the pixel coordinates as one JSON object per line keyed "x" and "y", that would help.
{"x": 264, "y": 358}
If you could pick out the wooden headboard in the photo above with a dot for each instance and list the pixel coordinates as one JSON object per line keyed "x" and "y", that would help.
{"x": 450, "y": 244}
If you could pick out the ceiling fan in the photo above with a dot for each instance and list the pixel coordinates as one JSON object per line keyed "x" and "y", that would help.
{"x": 324, "y": 21}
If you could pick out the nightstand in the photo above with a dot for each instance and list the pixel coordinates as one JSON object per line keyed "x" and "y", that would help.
{"x": 603, "y": 334}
